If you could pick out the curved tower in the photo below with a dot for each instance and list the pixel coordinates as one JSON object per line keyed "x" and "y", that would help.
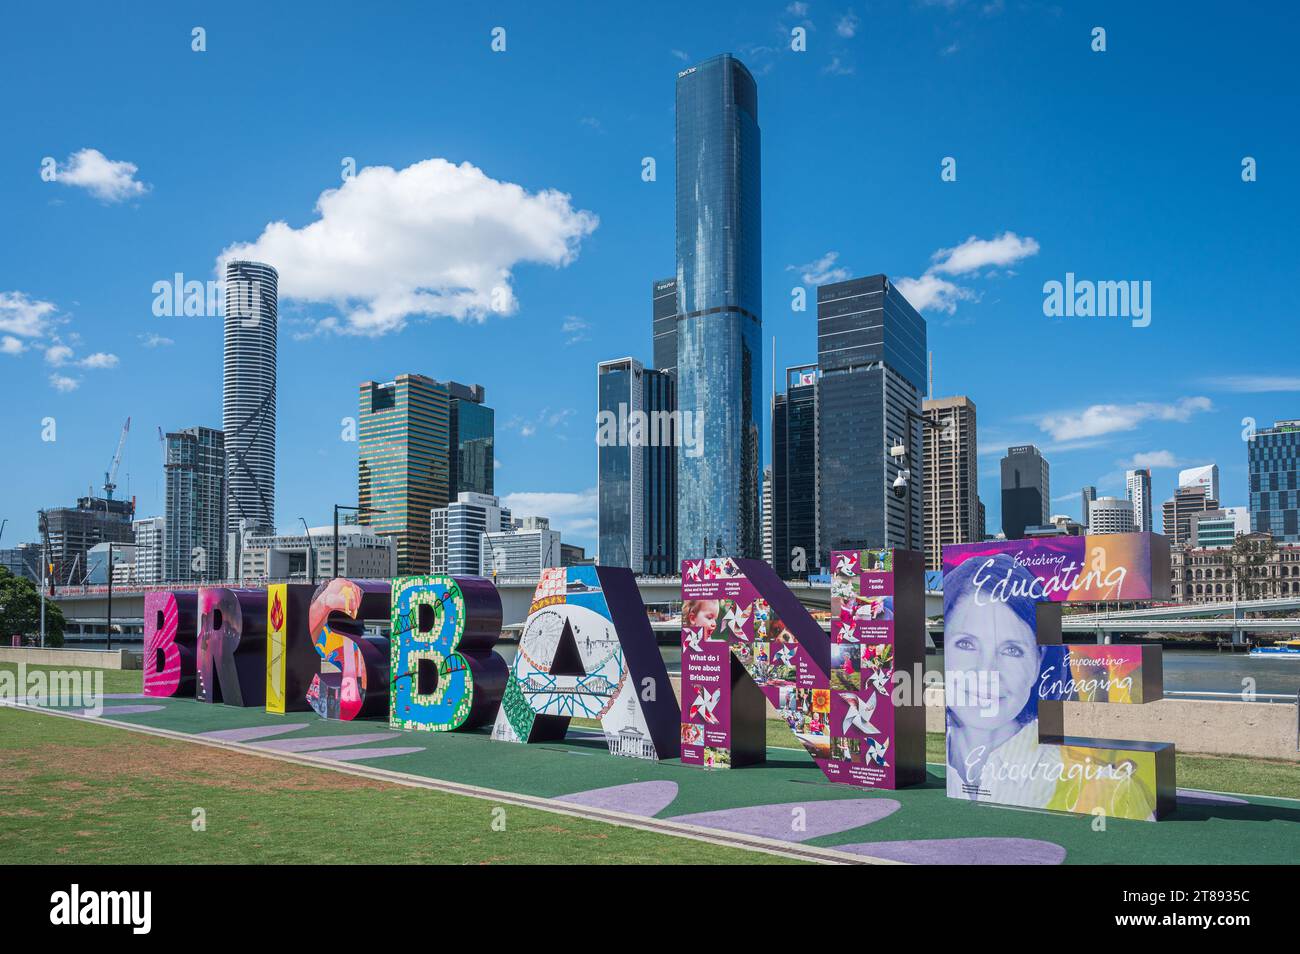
{"x": 248, "y": 395}
{"x": 719, "y": 310}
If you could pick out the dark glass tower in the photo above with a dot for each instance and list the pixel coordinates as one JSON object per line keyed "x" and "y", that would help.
{"x": 1273, "y": 457}
{"x": 1026, "y": 490}
{"x": 794, "y": 473}
{"x": 871, "y": 355}
{"x": 664, "y": 298}
{"x": 470, "y": 457}
{"x": 719, "y": 309}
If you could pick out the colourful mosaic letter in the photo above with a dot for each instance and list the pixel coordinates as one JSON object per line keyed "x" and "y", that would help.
{"x": 446, "y": 675}
{"x": 1007, "y": 675}
{"x": 587, "y": 650}
{"x": 170, "y": 635}
{"x": 232, "y": 646}
{"x": 353, "y": 678}
{"x": 745, "y": 636}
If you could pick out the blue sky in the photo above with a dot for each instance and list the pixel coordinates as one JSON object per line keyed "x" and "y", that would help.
{"x": 1122, "y": 165}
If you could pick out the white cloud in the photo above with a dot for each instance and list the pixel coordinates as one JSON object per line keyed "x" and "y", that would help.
{"x": 1160, "y": 458}
{"x": 22, "y": 317}
{"x": 1102, "y": 419}
{"x": 797, "y": 9}
{"x": 570, "y": 513}
{"x": 932, "y": 293}
{"x": 58, "y": 355}
{"x": 99, "y": 360}
{"x": 63, "y": 383}
{"x": 847, "y": 26}
{"x": 976, "y": 253}
{"x": 432, "y": 239}
{"x": 837, "y": 67}
{"x": 574, "y": 329}
{"x": 107, "y": 179}
{"x": 823, "y": 271}
{"x": 10, "y": 345}
{"x": 154, "y": 341}
{"x": 681, "y": 55}
{"x": 1256, "y": 383}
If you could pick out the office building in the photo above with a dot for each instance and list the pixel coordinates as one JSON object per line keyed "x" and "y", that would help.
{"x": 1137, "y": 485}
{"x": 663, "y": 310}
{"x": 1205, "y": 476}
{"x": 302, "y": 557}
{"x": 150, "y": 549}
{"x": 1273, "y": 459}
{"x": 23, "y": 560}
{"x": 110, "y": 559}
{"x": 472, "y": 441}
{"x": 719, "y": 309}
{"x": 952, "y": 507}
{"x": 1212, "y": 529}
{"x": 457, "y": 532}
{"x": 403, "y": 462}
{"x": 767, "y": 515}
{"x": 636, "y": 467}
{"x": 1111, "y": 515}
{"x": 70, "y": 532}
{"x": 1089, "y": 495}
{"x": 794, "y": 495}
{"x": 523, "y": 551}
{"x": 194, "y": 544}
{"x": 1060, "y": 525}
{"x": 1218, "y": 575}
{"x": 1026, "y": 490}
{"x": 248, "y": 401}
{"x": 871, "y": 361}
{"x": 1179, "y": 509}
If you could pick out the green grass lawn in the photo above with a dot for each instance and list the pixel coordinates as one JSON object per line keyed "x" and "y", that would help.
{"x": 82, "y": 793}
{"x": 115, "y": 680}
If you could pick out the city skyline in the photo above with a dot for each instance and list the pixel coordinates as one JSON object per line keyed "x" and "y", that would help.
{"x": 98, "y": 352}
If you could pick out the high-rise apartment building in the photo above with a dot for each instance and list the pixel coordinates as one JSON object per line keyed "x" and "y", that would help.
{"x": 1026, "y": 490}
{"x": 1089, "y": 495}
{"x": 1111, "y": 515}
{"x": 767, "y": 515}
{"x": 195, "y": 538}
{"x": 719, "y": 308}
{"x": 952, "y": 508}
{"x": 457, "y": 531}
{"x": 403, "y": 465}
{"x": 871, "y": 363}
{"x": 249, "y": 396}
{"x": 1137, "y": 485}
{"x": 1273, "y": 459}
{"x": 150, "y": 550}
{"x": 1178, "y": 512}
{"x": 794, "y": 501}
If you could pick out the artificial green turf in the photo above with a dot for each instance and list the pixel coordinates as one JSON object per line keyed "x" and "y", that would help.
{"x": 81, "y": 793}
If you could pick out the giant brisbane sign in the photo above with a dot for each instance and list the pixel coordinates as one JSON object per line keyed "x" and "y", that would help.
{"x": 587, "y": 651}
{"x": 1008, "y": 676}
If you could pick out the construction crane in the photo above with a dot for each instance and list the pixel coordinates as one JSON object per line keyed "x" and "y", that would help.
{"x": 110, "y": 475}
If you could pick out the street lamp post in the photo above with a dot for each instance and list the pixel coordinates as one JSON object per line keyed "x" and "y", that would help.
{"x": 311, "y": 551}
{"x": 108, "y": 630}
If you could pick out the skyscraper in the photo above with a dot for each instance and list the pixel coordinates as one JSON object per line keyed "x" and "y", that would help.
{"x": 871, "y": 359}
{"x": 1206, "y": 475}
{"x": 403, "y": 463}
{"x": 248, "y": 395}
{"x": 663, "y": 309}
{"x": 194, "y": 538}
{"x": 767, "y": 515}
{"x": 951, "y": 477}
{"x": 1111, "y": 515}
{"x": 1026, "y": 490}
{"x": 472, "y": 438}
{"x": 719, "y": 308}
{"x": 635, "y": 466}
{"x": 1178, "y": 512}
{"x": 794, "y": 474}
{"x": 1273, "y": 457}
{"x": 1138, "y": 491}
{"x": 1089, "y": 495}
{"x": 150, "y": 542}
{"x": 458, "y": 530}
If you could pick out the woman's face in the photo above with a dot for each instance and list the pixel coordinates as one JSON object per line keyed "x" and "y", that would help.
{"x": 993, "y": 655}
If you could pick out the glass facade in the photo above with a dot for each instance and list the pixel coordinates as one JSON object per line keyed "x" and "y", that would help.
{"x": 1026, "y": 491}
{"x": 664, "y": 316}
{"x": 193, "y": 542}
{"x": 620, "y": 478}
{"x": 403, "y": 467}
{"x": 871, "y": 356}
{"x": 660, "y": 533}
{"x": 473, "y": 436}
{"x": 794, "y": 474}
{"x": 1273, "y": 457}
{"x": 719, "y": 308}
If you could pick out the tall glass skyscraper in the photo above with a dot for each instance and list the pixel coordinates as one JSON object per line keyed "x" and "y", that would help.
{"x": 194, "y": 534}
{"x": 719, "y": 309}
{"x": 871, "y": 355}
{"x": 1273, "y": 456}
{"x": 403, "y": 465}
{"x": 794, "y": 474}
{"x": 248, "y": 395}
{"x": 470, "y": 458}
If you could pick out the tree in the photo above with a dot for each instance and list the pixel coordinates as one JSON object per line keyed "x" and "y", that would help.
{"x": 20, "y": 610}
{"x": 1249, "y": 553}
